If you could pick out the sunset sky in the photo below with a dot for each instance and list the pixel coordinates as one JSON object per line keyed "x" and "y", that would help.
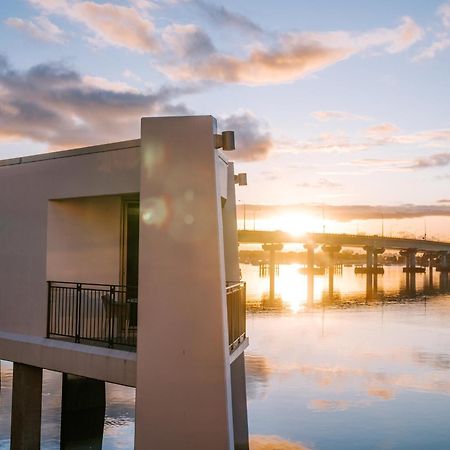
{"x": 333, "y": 103}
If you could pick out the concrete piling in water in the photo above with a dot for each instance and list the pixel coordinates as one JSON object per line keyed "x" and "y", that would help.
{"x": 83, "y": 406}
{"x": 26, "y": 407}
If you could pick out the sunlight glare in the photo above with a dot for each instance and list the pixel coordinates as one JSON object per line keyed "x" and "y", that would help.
{"x": 298, "y": 224}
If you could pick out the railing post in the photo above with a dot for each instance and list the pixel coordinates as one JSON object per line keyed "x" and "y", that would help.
{"x": 112, "y": 291}
{"x": 78, "y": 314}
{"x": 49, "y": 299}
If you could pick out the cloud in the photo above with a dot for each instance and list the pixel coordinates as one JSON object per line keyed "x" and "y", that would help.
{"x": 381, "y": 165}
{"x": 226, "y": 18}
{"x": 321, "y": 184}
{"x": 382, "y": 129}
{"x": 346, "y": 213}
{"x": 112, "y": 24}
{"x": 40, "y": 28}
{"x": 253, "y": 140}
{"x": 437, "y": 160}
{"x": 443, "y": 200}
{"x": 442, "y": 41}
{"x": 337, "y": 115}
{"x": 324, "y": 143}
{"x": 294, "y": 55}
{"x": 188, "y": 41}
{"x": 53, "y": 104}
{"x": 260, "y": 442}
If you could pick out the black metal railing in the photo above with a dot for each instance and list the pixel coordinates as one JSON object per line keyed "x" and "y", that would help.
{"x": 236, "y": 308}
{"x": 107, "y": 314}
{"x": 93, "y": 313}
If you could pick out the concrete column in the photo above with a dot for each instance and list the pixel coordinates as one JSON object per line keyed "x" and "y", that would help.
{"x": 331, "y": 250}
{"x": 310, "y": 273}
{"x": 430, "y": 271}
{"x": 83, "y": 406}
{"x": 239, "y": 396}
{"x": 443, "y": 268}
{"x": 369, "y": 271}
{"x": 272, "y": 248}
{"x": 376, "y": 252}
{"x": 183, "y": 391}
{"x": 412, "y": 273}
{"x": 230, "y": 235}
{"x": 26, "y": 407}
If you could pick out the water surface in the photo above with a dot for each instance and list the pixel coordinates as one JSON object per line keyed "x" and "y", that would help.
{"x": 342, "y": 374}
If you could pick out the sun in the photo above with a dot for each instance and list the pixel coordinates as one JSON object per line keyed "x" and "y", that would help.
{"x": 297, "y": 224}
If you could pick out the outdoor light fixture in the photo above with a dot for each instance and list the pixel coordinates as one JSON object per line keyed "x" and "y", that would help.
{"x": 225, "y": 141}
{"x": 240, "y": 179}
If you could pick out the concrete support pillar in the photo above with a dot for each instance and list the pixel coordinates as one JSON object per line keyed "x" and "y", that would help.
{"x": 26, "y": 407}
{"x": 83, "y": 406}
{"x": 310, "y": 273}
{"x": 183, "y": 378}
{"x": 369, "y": 271}
{"x": 443, "y": 268}
{"x": 331, "y": 250}
{"x": 430, "y": 270}
{"x": 412, "y": 274}
{"x": 410, "y": 269}
{"x": 376, "y": 252}
{"x": 239, "y": 399}
{"x": 272, "y": 248}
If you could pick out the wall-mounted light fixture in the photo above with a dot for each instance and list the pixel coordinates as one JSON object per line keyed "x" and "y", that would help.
{"x": 240, "y": 179}
{"x": 225, "y": 141}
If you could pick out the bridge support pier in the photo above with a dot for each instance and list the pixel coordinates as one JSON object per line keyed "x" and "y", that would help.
{"x": 310, "y": 273}
{"x": 443, "y": 268}
{"x": 331, "y": 250}
{"x": 410, "y": 269}
{"x": 376, "y": 251}
{"x": 369, "y": 271}
{"x": 430, "y": 270}
{"x": 26, "y": 407}
{"x": 272, "y": 248}
{"x": 83, "y": 405}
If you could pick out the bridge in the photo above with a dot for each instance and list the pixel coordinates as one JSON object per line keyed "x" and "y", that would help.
{"x": 272, "y": 241}
{"x": 344, "y": 240}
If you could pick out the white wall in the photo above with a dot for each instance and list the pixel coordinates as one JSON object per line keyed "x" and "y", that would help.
{"x": 25, "y": 191}
{"x": 83, "y": 240}
{"x": 183, "y": 392}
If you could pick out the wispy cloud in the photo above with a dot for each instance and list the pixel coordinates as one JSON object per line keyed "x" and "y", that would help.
{"x": 437, "y": 160}
{"x": 40, "y": 28}
{"x": 350, "y": 212}
{"x": 188, "y": 41}
{"x": 323, "y": 183}
{"x": 108, "y": 23}
{"x": 324, "y": 143}
{"x": 294, "y": 55}
{"x": 442, "y": 37}
{"x": 382, "y": 129}
{"x": 337, "y": 115}
{"x": 224, "y": 17}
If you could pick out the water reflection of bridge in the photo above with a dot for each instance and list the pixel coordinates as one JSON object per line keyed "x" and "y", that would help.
{"x": 435, "y": 255}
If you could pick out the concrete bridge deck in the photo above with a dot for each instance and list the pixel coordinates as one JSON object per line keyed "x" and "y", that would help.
{"x": 344, "y": 240}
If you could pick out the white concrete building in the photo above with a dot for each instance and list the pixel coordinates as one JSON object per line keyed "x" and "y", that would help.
{"x": 132, "y": 243}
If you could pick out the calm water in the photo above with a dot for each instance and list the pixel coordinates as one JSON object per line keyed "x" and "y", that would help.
{"x": 353, "y": 374}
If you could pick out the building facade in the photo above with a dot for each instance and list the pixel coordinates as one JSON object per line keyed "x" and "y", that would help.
{"x": 119, "y": 263}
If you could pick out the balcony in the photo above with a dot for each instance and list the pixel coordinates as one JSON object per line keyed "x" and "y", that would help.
{"x": 106, "y": 315}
